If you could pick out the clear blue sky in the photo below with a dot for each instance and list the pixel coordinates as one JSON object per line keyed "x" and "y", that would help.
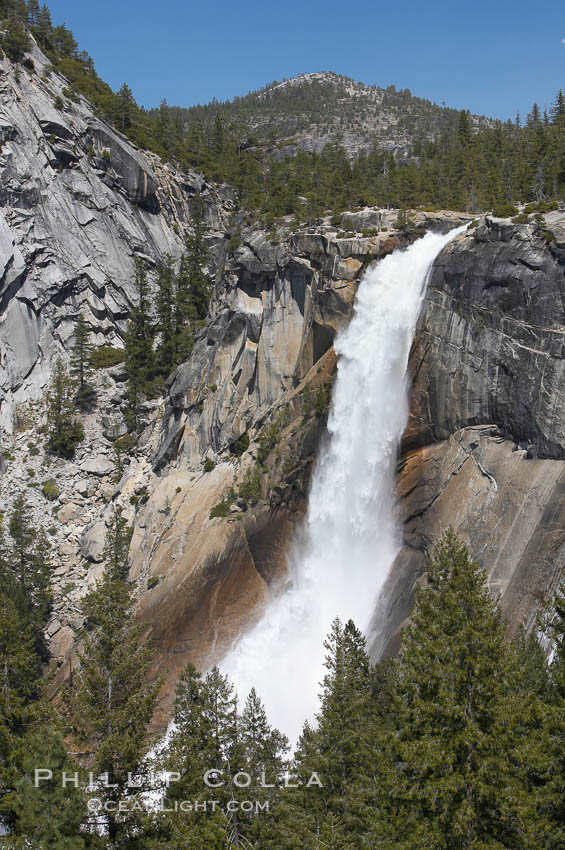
{"x": 492, "y": 57}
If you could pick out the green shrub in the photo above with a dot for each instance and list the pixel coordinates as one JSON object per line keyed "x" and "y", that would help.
{"x": 107, "y": 356}
{"x": 125, "y": 444}
{"x": 106, "y": 155}
{"x": 547, "y": 235}
{"x": 505, "y": 211}
{"x": 241, "y": 445}
{"x": 58, "y": 103}
{"x": 250, "y": 489}
{"x": 521, "y": 218}
{"x": 209, "y": 465}
{"x": 234, "y": 243}
{"x": 222, "y": 509}
{"x": 30, "y": 472}
{"x": 16, "y": 41}
{"x": 152, "y": 582}
{"x": 178, "y": 490}
{"x": 52, "y": 530}
{"x": 271, "y": 434}
{"x": 28, "y": 64}
{"x": 213, "y": 387}
{"x": 323, "y": 398}
{"x": 402, "y": 220}
{"x": 541, "y": 207}
{"x": 8, "y": 456}
{"x": 307, "y": 401}
{"x": 288, "y": 465}
{"x": 268, "y": 439}
{"x": 33, "y": 449}
{"x": 50, "y": 490}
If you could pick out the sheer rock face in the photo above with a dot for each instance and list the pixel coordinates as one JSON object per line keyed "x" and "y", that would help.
{"x": 485, "y": 445}
{"x": 78, "y": 202}
{"x": 491, "y": 340}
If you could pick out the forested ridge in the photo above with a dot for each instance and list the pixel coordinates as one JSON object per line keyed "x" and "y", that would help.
{"x": 453, "y": 161}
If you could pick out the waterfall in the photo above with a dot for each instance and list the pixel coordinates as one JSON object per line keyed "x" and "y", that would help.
{"x": 341, "y": 557}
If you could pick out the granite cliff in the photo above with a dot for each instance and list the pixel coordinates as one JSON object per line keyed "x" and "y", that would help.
{"x": 77, "y": 203}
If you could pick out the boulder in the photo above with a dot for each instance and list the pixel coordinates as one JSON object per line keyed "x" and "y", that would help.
{"x": 99, "y": 466}
{"x": 92, "y": 542}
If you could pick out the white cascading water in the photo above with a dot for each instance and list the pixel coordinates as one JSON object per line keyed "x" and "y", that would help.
{"x": 350, "y": 538}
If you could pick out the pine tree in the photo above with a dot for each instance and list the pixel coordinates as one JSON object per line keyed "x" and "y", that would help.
{"x": 183, "y": 312}
{"x": 127, "y": 108}
{"x": 16, "y": 41}
{"x": 48, "y": 814}
{"x": 341, "y": 749}
{"x": 19, "y": 689}
{"x": 553, "y": 793}
{"x": 25, "y": 571}
{"x": 44, "y": 28}
{"x": 205, "y": 738}
{"x": 262, "y": 758}
{"x": 65, "y": 431}
{"x": 449, "y": 779}
{"x": 165, "y": 309}
{"x": 139, "y": 346}
{"x": 80, "y": 364}
{"x": 32, "y": 13}
{"x": 527, "y": 715}
{"x": 112, "y": 700}
{"x": 195, "y": 299}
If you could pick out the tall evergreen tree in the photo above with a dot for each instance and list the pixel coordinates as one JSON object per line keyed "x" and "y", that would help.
{"x": 165, "y": 310}
{"x": 19, "y": 689}
{"x": 342, "y": 748}
{"x": 16, "y": 41}
{"x": 196, "y": 295}
{"x": 48, "y": 813}
{"x": 449, "y": 780}
{"x": 139, "y": 345}
{"x": 112, "y": 700}
{"x": 553, "y": 794}
{"x": 33, "y": 9}
{"x": 126, "y": 108}
{"x": 65, "y": 430}
{"x": 25, "y": 570}
{"x": 80, "y": 364}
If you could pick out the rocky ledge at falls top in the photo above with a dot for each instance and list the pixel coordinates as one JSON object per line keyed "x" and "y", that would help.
{"x": 78, "y": 202}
